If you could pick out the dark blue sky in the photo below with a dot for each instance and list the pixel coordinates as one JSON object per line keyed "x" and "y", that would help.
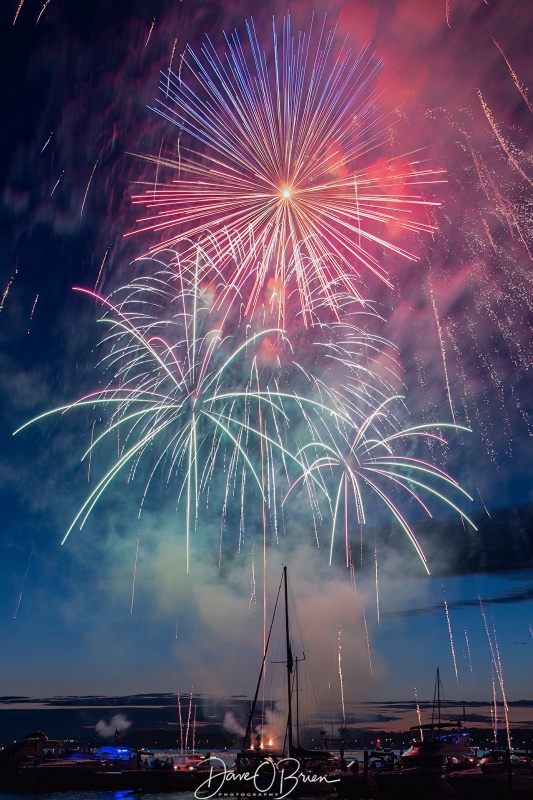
{"x": 75, "y": 92}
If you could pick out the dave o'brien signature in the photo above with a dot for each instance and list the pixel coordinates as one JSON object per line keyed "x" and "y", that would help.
{"x": 282, "y": 776}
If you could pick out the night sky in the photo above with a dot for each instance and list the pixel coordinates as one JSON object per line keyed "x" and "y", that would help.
{"x": 114, "y": 609}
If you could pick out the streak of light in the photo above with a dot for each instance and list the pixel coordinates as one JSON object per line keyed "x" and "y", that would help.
{"x": 340, "y": 677}
{"x": 150, "y": 32}
{"x": 448, "y": 620}
{"x": 180, "y": 720}
{"x": 514, "y": 76}
{"x": 170, "y": 65}
{"x": 499, "y": 674}
{"x": 469, "y": 653}
{"x": 494, "y": 710}
{"x": 483, "y": 502}
{"x": 377, "y": 582}
{"x": 18, "y": 11}
{"x": 6, "y": 290}
{"x": 45, "y": 145}
{"x": 443, "y": 353}
{"x": 418, "y": 714}
{"x": 101, "y": 267}
{"x": 43, "y": 9}
{"x": 176, "y": 631}
{"x": 19, "y": 601}
{"x": 512, "y": 160}
{"x": 368, "y": 645}
{"x": 90, "y": 454}
{"x": 189, "y": 713}
{"x": 87, "y": 189}
{"x": 56, "y": 184}
{"x": 448, "y": 22}
{"x": 33, "y": 309}
{"x": 133, "y": 583}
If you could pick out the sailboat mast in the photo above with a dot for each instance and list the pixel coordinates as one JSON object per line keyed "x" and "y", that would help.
{"x": 289, "y": 667}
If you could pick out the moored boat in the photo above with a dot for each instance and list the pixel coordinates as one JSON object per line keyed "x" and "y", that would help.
{"x": 501, "y": 775}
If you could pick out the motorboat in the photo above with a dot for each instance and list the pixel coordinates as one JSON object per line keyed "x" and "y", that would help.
{"x": 501, "y": 774}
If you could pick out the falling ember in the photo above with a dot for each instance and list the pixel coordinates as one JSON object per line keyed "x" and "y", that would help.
{"x": 377, "y": 582}
{"x": 418, "y": 715}
{"x": 443, "y": 352}
{"x": 56, "y": 184}
{"x": 451, "y": 640}
{"x": 340, "y": 678}
{"x": 494, "y": 710}
{"x": 134, "y": 579}
{"x": 45, "y": 145}
{"x": 101, "y": 268}
{"x": 517, "y": 83}
{"x": 468, "y": 652}
{"x": 499, "y": 674}
{"x": 6, "y": 290}
{"x": 368, "y": 645}
{"x": 150, "y": 32}
{"x": 87, "y": 189}
{"x": 33, "y": 308}
{"x": 483, "y": 502}
{"x": 448, "y": 22}
{"x": 43, "y": 9}
{"x": 18, "y": 11}
{"x": 503, "y": 144}
{"x": 170, "y": 65}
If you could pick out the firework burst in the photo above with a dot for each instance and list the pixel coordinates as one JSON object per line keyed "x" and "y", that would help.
{"x": 279, "y": 170}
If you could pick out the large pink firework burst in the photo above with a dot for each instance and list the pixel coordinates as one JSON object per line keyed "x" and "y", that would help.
{"x": 280, "y": 171}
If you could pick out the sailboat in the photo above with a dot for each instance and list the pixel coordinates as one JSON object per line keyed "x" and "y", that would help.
{"x": 301, "y": 770}
{"x": 444, "y": 746}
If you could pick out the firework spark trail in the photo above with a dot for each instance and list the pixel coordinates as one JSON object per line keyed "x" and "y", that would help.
{"x": 368, "y": 645}
{"x": 340, "y": 678}
{"x": 170, "y": 65}
{"x": 32, "y": 312}
{"x": 512, "y": 160}
{"x": 101, "y": 267}
{"x": 514, "y": 76}
{"x": 150, "y": 32}
{"x": 448, "y": 19}
{"x": 418, "y": 715}
{"x": 494, "y": 709}
{"x": 56, "y": 184}
{"x": 18, "y": 11}
{"x": 469, "y": 654}
{"x": 180, "y": 720}
{"x": 281, "y": 156}
{"x": 448, "y": 620}
{"x": 189, "y": 712}
{"x": 43, "y": 9}
{"x": 21, "y": 593}
{"x": 377, "y": 582}
{"x": 178, "y": 389}
{"x": 45, "y": 145}
{"x": 483, "y": 502}
{"x": 497, "y": 668}
{"x": 6, "y": 290}
{"x": 87, "y": 189}
{"x": 135, "y": 572}
{"x": 355, "y": 449}
{"x": 443, "y": 352}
